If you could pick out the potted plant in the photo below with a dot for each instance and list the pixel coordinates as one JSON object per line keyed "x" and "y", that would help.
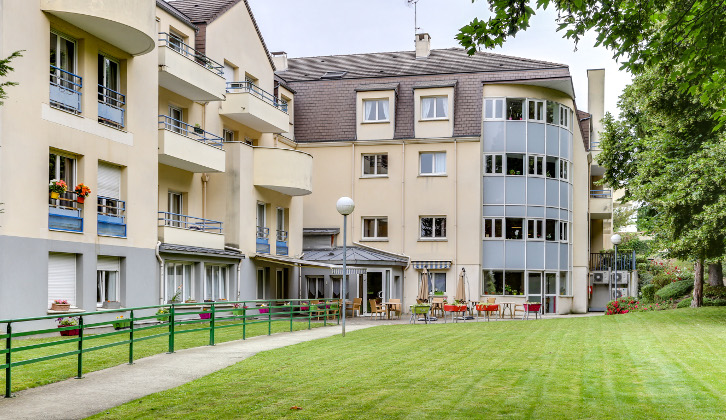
{"x": 264, "y": 309}
{"x": 111, "y": 304}
{"x": 57, "y": 187}
{"x": 206, "y": 315}
{"x": 239, "y": 310}
{"x": 198, "y": 129}
{"x": 120, "y": 325}
{"x": 456, "y": 306}
{"x": 82, "y": 192}
{"x": 68, "y": 322}
{"x": 60, "y": 305}
{"x": 177, "y": 296}
{"x": 162, "y": 314}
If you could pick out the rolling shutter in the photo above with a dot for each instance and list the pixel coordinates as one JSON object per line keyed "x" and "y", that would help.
{"x": 104, "y": 263}
{"x": 109, "y": 180}
{"x": 62, "y": 278}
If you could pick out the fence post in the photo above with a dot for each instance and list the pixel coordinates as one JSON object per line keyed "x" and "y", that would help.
{"x": 291, "y": 311}
{"x": 170, "y": 320}
{"x": 244, "y": 321}
{"x": 211, "y": 326}
{"x": 269, "y": 318}
{"x": 310, "y": 313}
{"x": 80, "y": 348}
{"x": 325, "y": 316}
{"x": 131, "y": 339}
{"x": 8, "y": 360}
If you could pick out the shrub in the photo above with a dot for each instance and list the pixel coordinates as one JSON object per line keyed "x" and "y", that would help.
{"x": 660, "y": 280}
{"x": 648, "y": 292}
{"x": 621, "y": 306}
{"x": 714, "y": 292}
{"x": 675, "y": 290}
{"x": 685, "y": 303}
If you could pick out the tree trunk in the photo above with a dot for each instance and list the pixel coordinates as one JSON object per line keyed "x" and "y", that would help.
{"x": 697, "y": 301}
{"x": 715, "y": 275}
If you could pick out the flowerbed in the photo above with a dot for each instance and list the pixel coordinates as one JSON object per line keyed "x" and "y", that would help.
{"x": 628, "y": 304}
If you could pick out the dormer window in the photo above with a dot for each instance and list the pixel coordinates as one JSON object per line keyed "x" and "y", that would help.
{"x": 435, "y": 107}
{"x": 375, "y": 110}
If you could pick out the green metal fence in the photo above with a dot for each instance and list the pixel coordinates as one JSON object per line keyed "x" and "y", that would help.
{"x": 206, "y": 315}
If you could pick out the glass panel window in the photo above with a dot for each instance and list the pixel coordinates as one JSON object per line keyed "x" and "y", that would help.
{"x": 493, "y": 109}
{"x": 375, "y": 227}
{"x": 551, "y": 230}
{"x": 215, "y": 284}
{"x": 534, "y": 229}
{"x": 551, "y": 167}
{"x": 260, "y": 284}
{"x": 513, "y": 283}
{"x": 375, "y": 165}
{"x": 536, "y": 110}
{"x": 62, "y": 54}
{"x": 515, "y": 109}
{"x": 551, "y": 283}
{"x": 553, "y": 115}
{"x": 493, "y": 164}
{"x": 436, "y": 107}
{"x": 535, "y": 164}
{"x": 228, "y": 135}
{"x": 514, "y": 228}
{"x": 564, "y": 165}
{"x": 432, "y": 163}
{"x": 433, "y": 227}
{"x": 565, "y": 114}
{"x": 280, "y": 285}
{"x": 493, "y": 282}
{"x": 515, "y": 164}
{"x": 316, "y": 288}
{"x": 493, "y": 228}
{"x": 179, "y": 282}
{"x": 107, "y": 286}
{"x": 261, "y": 218}
{"x": 437, "y": 282}
{"x": 564, "y": 284}
{"x": 563, "y": 231}
{"x": 375, "y": 110}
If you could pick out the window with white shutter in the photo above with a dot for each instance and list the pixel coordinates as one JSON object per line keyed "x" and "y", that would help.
{"x": 62, "y": 278}
{"x": 107, "y": 279}
{"x": 109, "y": 180}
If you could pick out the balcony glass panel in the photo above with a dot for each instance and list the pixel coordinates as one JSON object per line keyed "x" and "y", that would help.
{"x": 262, "y": 241}
{"x": 174, "y": 43}
{"x": 110, "y": 107}
{"x": 183, "y": 221}
{"x": 65, "y": 90}
{"x": 64, "y": 213}
{"x": 195, "y": 133}
{"x": 256, "y": 91}
{"x": 111, "y": 217}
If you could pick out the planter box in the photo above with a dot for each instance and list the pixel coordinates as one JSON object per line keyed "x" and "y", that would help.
{"x": 238, "y": 312}
{"x": 455, "y": 308}
{"x": 205, "y": 315}
{"x": 162, "y": 318}
{"x": 120, "y": 325}
{"x": 264, "y": 310}
{"x": 111, "y": 305}
{"x": 67, "y": 333}
{"x": 64, "y": 307}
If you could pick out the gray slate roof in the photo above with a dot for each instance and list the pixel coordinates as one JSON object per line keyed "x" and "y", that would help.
{"x": 182, "y": 249}
{"x": 203, "y": 11}
{"x": 404, "y": 63}
{"x": 321, "y": 231}
{"x": 355, "y": 256}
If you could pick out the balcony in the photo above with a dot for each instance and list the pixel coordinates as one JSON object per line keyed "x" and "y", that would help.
{"x": 601, "y": 204}
{"x": 111, "y": 217}
{"x": 247, "y": 104}
{"x": 281, "y": 243}
{"x": 185, "y": 71}
{"x": 64, "y": 214}
{"x": 189, "y": 148}
{"x": 605, "y": 261}
{"x": 283, "y": 170}
{"x": 126, "y": 24}
{"x": 262, "y": 240}
{"x": 111, "y": 107}
{"x": 181, "y": 229}
{"x": 65, "y": 90}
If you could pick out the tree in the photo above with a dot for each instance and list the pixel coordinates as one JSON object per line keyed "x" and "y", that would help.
{"x": 622, "y": 215}
{"x": 4, "y": 70}
{"x": 685, "y": 36}
{"x": 669, "y": 154}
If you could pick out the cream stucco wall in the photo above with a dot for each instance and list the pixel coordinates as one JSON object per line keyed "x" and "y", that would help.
{"x": 375, "y": 130}
{"x": 427, "y": 128}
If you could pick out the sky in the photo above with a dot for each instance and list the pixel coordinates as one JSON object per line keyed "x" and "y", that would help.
{"x": 304, "y": 28}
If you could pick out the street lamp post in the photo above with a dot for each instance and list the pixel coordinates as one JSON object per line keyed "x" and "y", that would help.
{"x": 345, "y": 206}
{"x": 616, "y": 240}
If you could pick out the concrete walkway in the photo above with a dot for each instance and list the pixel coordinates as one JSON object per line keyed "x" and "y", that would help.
{"x": 108, "y": 388}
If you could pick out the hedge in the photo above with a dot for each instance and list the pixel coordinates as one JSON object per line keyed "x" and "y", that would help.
{"x": 675, "y": 290}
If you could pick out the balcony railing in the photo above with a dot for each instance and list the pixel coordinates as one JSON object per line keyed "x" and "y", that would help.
{"x": 262, "y": 241}
{"x": 111, "y": 217}
{"x": 281, "y": 235}
{"x": 281, "y": 243}
{"x": 65, "y": 90}
{"x": 605, "y": 261}
{"x": 195, "y": 133}
{"x": 237, "y": 87}
{"x": 110, "y": 107}
{"x": 601, "y": 194}
{"x": 176, "y": 44}
{"x": 64, "y": 213}
{"x": 183, "y": 221}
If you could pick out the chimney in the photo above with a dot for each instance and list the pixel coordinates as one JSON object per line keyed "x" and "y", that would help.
{"x": 280, "y": 60}
{"x": 596, "y": 102}
{"x": 423, "y": 45}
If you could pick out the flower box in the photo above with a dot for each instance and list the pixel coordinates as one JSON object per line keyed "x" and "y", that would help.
{"x": 264, "y": 310}
{"x": 62, "y": 307}
{"x": 238, "y": 312}
{"x": 120, "y": 325}
{"x": 455, "y": 308}
{"x": 205, "y": 315}
{"x": 67, "y": 333}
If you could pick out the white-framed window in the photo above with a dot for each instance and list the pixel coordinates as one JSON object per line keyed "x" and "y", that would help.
{"x": 565, "y": 114}
{"x": 535, "y": 165}
{"x": 375, "y": 165}
{"x": 494, "y": 109}
{"x": 514, "y": 228}
{"x": 261, "y": 220}
{"x": 493, "y": 228}
{"x": 432, "y": 163}
{"x": 176, "y": 209}
{"x": 536, "y": 110}
{"x": 179, "y": 281}
{"x": 553, "y": 115}
{"x": 514, "y": 109}
{"x": 176, "y": 41}
{"x": 336, "y": 283}
{"x": 375, "y": 228}
{"x": 177, "y": 118}
{"x": 564, "y": 227}
{"x": 433, "y": 227}
{"x": 280, "y": 285}
{"x": 62, "y": 54}
{"x": 108, "y": 279}
{"x": 61, "y": 278}
{"x": 316, "y": 287}
{"x": 261, "y": 292}
{"x": 551, "y": 233}
{"x": 228, "y": 135}
{"x": 435, "y": 108}
{"x": 215, "y": 282}
{"x": 564, "y": 170}
{"x": 515, "y": 164}
{"x": 281, "y": 232}
{"x": 437, "y": 282}
{"x": 535, "y": 229}
{"x": 565, "y": 286}
{"x": 375, "y": 110}
{"x": 62, "y": 166}
{"x": 551, "y": 167}
{"x": 494, "y": 164}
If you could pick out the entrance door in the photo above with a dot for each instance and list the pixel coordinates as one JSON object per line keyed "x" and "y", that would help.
{"x": 550, "y": 293}
{"x": 534, "y": 287}
{"x": 374, "y": 288}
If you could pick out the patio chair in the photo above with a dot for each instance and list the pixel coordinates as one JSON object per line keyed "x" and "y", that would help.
{"x": 333, "y": 308}
{"x": 531, "y": 308}
{"x": 437, "y": 303}
{"x": 354, "y": 307}
{"x": 315, "y": 310}
{"x": 395, "y": 307}
{"x": 376, "y": 308}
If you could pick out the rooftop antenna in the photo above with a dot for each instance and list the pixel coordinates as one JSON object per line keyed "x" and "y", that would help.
{"x": 415, "y": 15}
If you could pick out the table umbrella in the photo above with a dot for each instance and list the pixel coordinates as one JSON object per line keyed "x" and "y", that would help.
{"x": 461, "y": 288}
{"x": 423, "y": 289}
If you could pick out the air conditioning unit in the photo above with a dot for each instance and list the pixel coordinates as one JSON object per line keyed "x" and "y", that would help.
{"x": 623, "y": 277}
{"x": 598, "y": 277}
{"x": 619, "y": 292}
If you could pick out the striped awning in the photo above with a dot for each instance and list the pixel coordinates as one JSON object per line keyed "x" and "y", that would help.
{"x": 431, "y": 265}
{"x": 351, "y": 270}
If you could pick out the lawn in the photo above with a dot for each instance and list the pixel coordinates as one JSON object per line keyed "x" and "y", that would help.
{"x": 669, "y": 364}
{"x": 42, "y": 373}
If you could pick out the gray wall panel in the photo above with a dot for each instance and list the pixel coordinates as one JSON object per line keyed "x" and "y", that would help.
{"x": 552, "y": 213}
{"x": 493, "y": 190}
{"x": 516, "y": 136}
{"x": 536, "y": 191}
{"x": 515, "y": 254}
{"x": 533, "y": 211}
{"x": 516, "y": 189}
{"x": 493, "y": 254}
{"x": 516, "y": 211}
{"x": 551, "y": 256}
{"x": 491, "y": 211}
{"x": 553, "y": 193}
{"x": 564, "y": 190}
{"x": 535, "y": 138}
{"x": 535, "y": 255}
{"x": 553, "y": 140}
{"x": 493, "y": 134}
{"x": 564, "y": 256}
{"x": 564, "y": 215}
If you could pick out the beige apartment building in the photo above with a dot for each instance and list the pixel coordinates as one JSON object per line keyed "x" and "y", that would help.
{"x": 477, "y": 166}
{"x": 171, "y": 114}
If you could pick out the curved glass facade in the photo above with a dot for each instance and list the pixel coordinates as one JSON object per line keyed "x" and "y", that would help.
{"x": 527, "y": 199}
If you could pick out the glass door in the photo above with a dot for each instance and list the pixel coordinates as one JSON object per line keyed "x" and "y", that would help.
{"x": 177, "y": 116}
{"x": 534, "y": 287}
{"x": 550, "y": 293}
{"x": 175, "y": 210}
{"x": 374, "y": 289}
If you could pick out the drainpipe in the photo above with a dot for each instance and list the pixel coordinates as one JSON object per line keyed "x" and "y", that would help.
{"x": 239, "y": 269}
{"x": 205, "y": 179}
{"x": 162, "y": 292}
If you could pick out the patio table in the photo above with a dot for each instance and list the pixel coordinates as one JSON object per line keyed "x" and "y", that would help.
{"x": 510, "y": 306}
